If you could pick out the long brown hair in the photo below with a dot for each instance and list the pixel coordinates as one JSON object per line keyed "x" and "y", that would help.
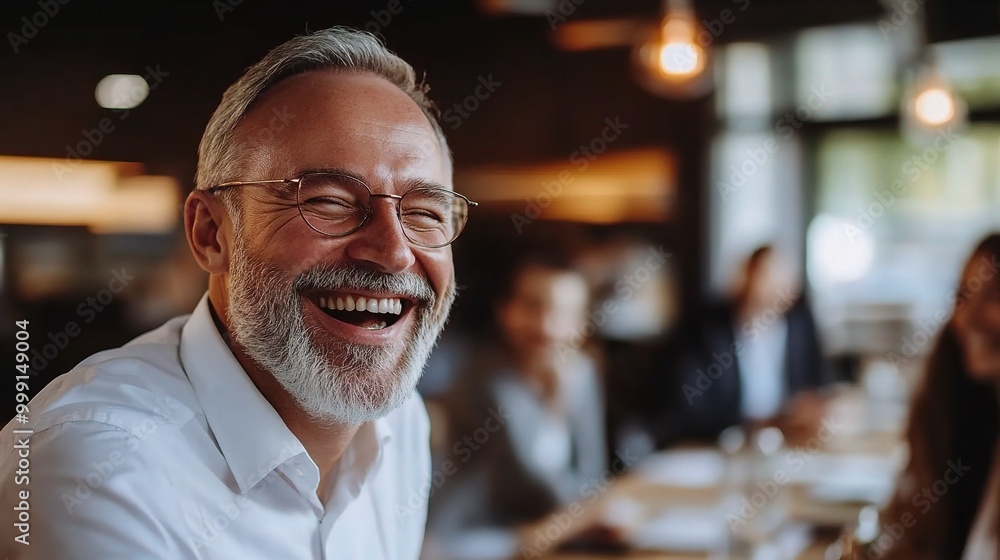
{"x": 953, "y": 420}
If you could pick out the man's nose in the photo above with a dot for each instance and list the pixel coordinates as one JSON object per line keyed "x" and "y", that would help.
{"x": 381, "y": 243}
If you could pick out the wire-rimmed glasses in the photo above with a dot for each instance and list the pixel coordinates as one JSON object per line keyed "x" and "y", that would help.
{"x": 336, "y": 205}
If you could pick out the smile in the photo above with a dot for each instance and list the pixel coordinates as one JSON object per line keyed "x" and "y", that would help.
{"x": 371, "y": 312}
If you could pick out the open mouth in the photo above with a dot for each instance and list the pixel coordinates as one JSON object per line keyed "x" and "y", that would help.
{"x": 364, "y": 311}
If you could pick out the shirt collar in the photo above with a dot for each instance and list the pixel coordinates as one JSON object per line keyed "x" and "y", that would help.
{"x": 359, "y": 463}
{"x": 251, "y": 435}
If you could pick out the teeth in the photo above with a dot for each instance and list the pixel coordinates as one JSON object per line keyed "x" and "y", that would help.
{"x": 360, "y": 303}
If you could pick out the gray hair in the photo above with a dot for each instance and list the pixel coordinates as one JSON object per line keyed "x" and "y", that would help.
{"x": 221, "y": 154}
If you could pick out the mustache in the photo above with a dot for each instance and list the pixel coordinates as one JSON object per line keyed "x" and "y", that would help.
{"x": 349, "y": 276}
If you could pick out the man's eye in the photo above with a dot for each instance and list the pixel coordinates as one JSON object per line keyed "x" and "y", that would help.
{"x": 423, "y": 220}
{"x": 330, "y": 203}
{"x": 426, "y": 215}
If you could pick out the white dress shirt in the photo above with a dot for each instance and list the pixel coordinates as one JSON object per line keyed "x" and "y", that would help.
{"x": 165, "y": 449}
{"x": 762, "y": 370}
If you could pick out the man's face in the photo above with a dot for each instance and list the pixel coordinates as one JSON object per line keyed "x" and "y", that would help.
{"x": 544, "y": 311}
{"x": 286, "y": 281}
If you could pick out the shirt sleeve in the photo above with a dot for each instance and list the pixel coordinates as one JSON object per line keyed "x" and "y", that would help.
{"x": 95, "y": 492}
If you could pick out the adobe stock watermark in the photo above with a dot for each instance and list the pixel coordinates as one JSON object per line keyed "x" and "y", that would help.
{"x": 462, "y": 110}
{"x": 581, "y": 159}
{"x": 766, "y": 490}
{"x": 562, "y": 12}
{"x": 626, "y": 288}
{"x": 94, "y": 137}
{"x": 902, "y": 11}
{"x": 544, "y": 538}
{"x": 751, "y": 330}
{"x": 924, "y": 499}
{"x": 464, "y": 449}
{"x": 167, "y": 409}
{"x": 280, "y": 118}
{"x": 224, "y": 7}
{"x": 912, "y": 169}
{"x": 382, "y": 18}
{"x": 927, "y": 329}
{"x": 32, "y": 24}
{"x": 87, "y": 311}
{"x": 710, "y": 30}
{"x": 787, "y": 126}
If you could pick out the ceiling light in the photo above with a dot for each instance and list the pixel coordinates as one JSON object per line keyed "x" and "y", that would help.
{"x": 121, "y": 91}
{"x": 934, "y": 106}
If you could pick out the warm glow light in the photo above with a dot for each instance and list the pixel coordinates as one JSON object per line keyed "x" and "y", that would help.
{"x": 681, "y": 59}
{"x": 633, "y": 186}
{"x": 107, "y": 197}
{"x": 585, "y": 35}
{"x": 671, "y": 55}
{"x": 121, "y": 91}
{"x": 934, "y": 106}
{"x": 673, "y": 59}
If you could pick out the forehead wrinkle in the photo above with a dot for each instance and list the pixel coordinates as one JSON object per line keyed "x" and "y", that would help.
{"x": 402, "y": 164}
{"x": 422, "y": 137}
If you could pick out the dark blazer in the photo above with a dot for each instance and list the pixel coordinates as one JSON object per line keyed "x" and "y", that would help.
{"x": 700, "y": 387}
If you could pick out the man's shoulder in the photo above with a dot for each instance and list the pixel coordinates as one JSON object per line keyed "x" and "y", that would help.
{"x": 127, "y": 387}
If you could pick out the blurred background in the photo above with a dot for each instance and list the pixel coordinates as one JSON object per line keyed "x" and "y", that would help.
{"x": 691, "y": 164}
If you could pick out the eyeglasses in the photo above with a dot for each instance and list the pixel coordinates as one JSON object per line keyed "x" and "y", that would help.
{"x": 336, "y": 205}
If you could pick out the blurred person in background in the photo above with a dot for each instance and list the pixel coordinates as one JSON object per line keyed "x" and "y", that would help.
{"x": 952, "y": 433}
{"x": 525, "y": 420}
{"x": 753, "y": 359}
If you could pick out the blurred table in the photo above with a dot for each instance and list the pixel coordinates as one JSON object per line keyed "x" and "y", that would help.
{"x": 678, "y": 504}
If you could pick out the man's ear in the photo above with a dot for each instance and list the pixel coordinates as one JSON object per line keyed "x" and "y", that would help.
{"x": 207, "y": 225}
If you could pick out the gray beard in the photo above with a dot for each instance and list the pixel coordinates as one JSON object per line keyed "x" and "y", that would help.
{"x": 332, "y": 380}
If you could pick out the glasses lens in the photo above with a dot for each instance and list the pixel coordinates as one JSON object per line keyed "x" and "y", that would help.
{"x": 433, "y": 217}
{"x": 332, "y": 204}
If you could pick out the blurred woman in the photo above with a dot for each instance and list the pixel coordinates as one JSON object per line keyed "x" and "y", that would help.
{"x": 946, "y": 503}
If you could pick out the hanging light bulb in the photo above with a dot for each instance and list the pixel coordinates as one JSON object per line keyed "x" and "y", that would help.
{"x": 934, "y": 106}
{"x": 679, "y": 55}
{"x": 681, "y": 59}
{"x": 929, "y": 106}
{"x": 670, "y": 61}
